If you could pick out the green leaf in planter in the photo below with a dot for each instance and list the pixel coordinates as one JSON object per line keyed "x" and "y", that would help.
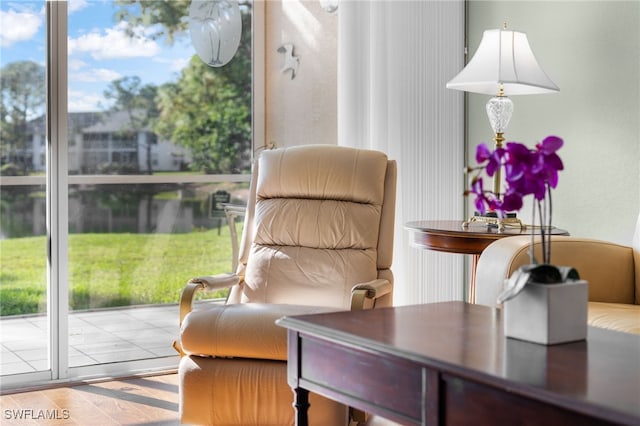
{"x": 515, "y": 283}
{"x": 536, "y": 273}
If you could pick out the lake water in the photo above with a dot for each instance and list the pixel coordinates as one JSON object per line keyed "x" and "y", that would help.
{"x": 131, "y": 208}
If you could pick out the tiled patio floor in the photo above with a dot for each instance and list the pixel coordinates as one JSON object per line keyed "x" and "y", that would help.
{"x": 95, "y": 337}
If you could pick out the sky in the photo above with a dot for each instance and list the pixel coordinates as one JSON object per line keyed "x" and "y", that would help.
{"x": 99, "y": 50}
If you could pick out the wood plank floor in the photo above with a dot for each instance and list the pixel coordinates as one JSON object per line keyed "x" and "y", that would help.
{"x": 138, "y": 401}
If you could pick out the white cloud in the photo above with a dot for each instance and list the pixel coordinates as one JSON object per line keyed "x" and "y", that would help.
{"x": 179, "y": 64}
{"x": 95, "y": 75}
{"x": 114, "y": 43}
{"x": 76, "y": 64}
{"x": 80, "y": 71}
{"x": 175, "y": 64}
{"x": 18, "y": 26}
{"x": 76, "y": 5}
{"x": 81, "y": 101}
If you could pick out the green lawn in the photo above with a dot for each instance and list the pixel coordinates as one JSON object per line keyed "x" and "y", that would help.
{"x": 108, "y": 270}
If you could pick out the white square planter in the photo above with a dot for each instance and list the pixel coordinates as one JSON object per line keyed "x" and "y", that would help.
{"x": 548, "y": 313}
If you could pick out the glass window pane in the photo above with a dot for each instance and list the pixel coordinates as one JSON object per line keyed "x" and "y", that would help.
{"x": 23, "y": 242}
{"x": 154, "y": 139}
{"x": 152, "y": 131}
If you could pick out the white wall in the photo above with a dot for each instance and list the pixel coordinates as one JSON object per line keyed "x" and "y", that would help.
{"x": 591, "y": 50}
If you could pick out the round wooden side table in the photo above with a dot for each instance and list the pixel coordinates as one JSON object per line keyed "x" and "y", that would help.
{"x": 451, "y": 237}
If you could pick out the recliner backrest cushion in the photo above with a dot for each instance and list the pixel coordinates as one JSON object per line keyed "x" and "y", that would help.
{"x": 316, "y": 224}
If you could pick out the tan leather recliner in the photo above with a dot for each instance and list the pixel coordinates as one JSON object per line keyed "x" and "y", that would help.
{"x": 612, "y": 270}
{"x": 318, "y": 236}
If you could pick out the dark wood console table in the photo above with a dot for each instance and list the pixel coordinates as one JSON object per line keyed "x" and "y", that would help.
{"x": 449, "y": 363}
{"x": 449, "y": 236}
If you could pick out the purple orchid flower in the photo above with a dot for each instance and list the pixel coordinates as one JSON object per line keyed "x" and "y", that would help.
{"x": 493, "y": 158}
{"x": 481, "y": 200}
{"x": 512, "y": 201}
{"x": 517, "y": 162}
{"x": 527, "y": 172}
{"x": 548, "y": 163}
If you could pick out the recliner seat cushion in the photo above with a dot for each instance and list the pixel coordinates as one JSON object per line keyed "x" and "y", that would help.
{"x": 242, "y": 330}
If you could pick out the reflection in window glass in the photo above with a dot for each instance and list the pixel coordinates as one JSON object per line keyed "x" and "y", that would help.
{"x": 23, "y": 245}
{"x": 150, "y": 118}
{"x": 150, "y": 131}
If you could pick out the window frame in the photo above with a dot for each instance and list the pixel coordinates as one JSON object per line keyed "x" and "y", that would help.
{"x": 57, "y": 180}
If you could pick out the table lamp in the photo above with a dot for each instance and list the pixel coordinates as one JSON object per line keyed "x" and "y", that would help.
{"x": 503, "y": 65}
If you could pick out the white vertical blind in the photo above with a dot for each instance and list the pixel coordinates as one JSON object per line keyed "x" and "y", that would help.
{"x": 394, "y": 59}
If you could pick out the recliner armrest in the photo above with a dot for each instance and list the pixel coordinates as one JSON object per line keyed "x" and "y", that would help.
{"x": 364, "y": 295}
{"x": 205, "y": 283}
{"x": 216, "y": 282}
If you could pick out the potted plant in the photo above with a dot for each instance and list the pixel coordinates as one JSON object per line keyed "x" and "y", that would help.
{"x": 542, "y": 302}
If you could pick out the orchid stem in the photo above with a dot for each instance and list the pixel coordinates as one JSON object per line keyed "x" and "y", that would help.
{"x": 542, "y": 236}
{"x": 549, "y": 222}
{"x": 533, "y": 234}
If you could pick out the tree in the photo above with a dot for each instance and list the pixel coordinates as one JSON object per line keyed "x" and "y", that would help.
{"x": 210, "y": 115}
{"x": 22, "y": 88}
{"x": 5, "y": 129}
{"x": 165, "y": 17}
{"x": 139, "y": 102}
{"x": 208, "y": 109}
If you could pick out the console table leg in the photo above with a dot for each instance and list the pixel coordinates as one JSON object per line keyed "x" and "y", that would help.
{"x": 301, "y": 404}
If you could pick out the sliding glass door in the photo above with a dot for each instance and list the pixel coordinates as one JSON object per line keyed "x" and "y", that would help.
{"x": 24, "y": 342}
{"x": 121, "y": 168}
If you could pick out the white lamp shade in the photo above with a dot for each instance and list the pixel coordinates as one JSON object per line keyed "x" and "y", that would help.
{"x": 504, "y": 58}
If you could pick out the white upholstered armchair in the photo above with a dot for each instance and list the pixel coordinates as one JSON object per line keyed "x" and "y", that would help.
{"x": 318, "y": 236}
{"x": 612, "y": 270}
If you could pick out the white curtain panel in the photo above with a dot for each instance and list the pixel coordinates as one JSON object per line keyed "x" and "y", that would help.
{"x": 394, "y": 59}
